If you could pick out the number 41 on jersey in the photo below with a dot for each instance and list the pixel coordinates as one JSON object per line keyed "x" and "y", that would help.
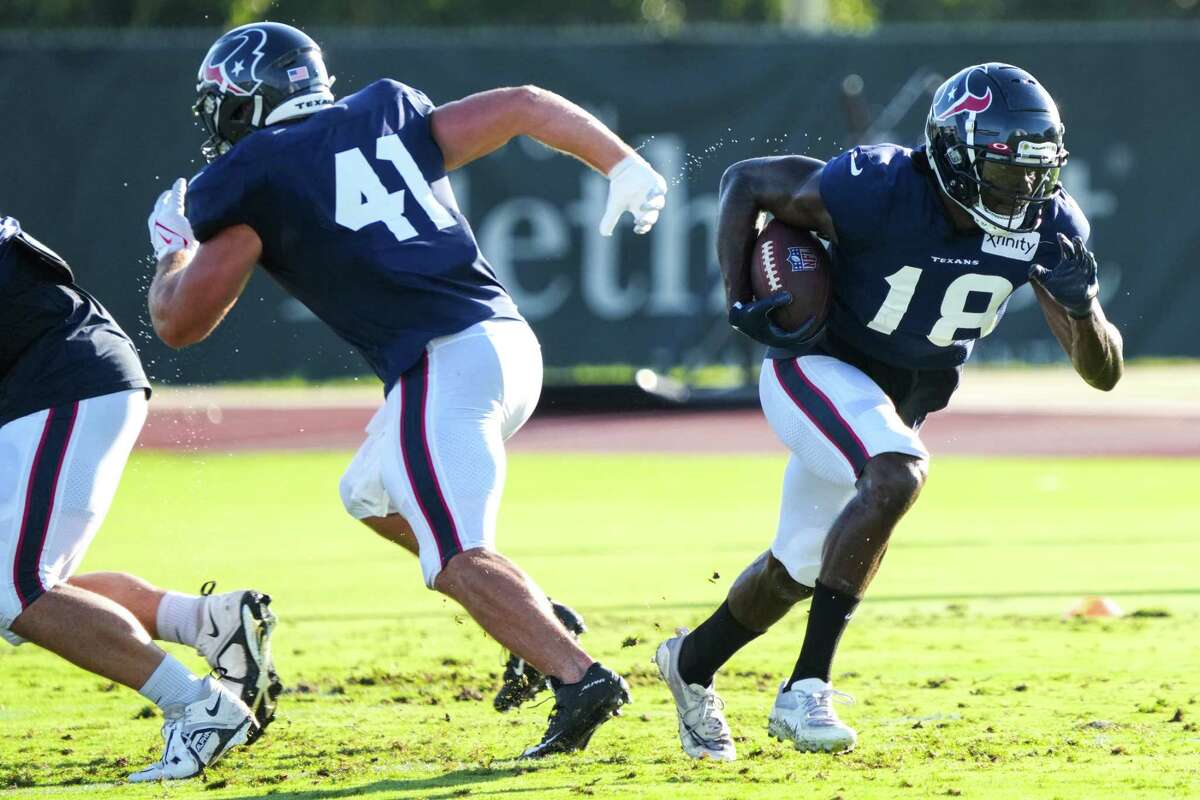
{"x": 362, "y": 198}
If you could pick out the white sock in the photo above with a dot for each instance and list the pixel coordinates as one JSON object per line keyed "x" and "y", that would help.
{"x": 171, "y": 684}
{"x": 179, "y": 618}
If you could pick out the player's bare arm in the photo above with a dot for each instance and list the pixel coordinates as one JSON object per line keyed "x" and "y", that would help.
{"x": 195, "y": 286}
{"x": 1067, "y": 295}
{"x": 479, "y": 124}
{"x": 1092, "y": 342}
{"x": 475, "y": 126}
{"x": 789, "y": 188}
{"x": 786, "y": 186}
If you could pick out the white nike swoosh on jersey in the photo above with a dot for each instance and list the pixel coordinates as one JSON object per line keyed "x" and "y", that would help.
{"x": 855, "y": 169}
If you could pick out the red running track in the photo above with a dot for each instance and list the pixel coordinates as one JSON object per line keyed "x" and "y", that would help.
{"x": 743, "y": 431}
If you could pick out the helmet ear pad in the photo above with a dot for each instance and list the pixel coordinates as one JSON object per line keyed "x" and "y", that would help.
{"x": 242, "y": 114}
{"x": 952, "y": 170}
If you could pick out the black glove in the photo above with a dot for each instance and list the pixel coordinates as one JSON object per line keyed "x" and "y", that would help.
{"x": 754, "y": 320}
{"x": 1073, "y": 282}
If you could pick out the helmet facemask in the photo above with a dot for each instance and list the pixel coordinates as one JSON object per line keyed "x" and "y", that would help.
{"x": 1011, "y": 191}
{"x": 209, "y": 109}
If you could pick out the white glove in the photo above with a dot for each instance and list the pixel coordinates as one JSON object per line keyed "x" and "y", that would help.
{"x": 635, "y": 187}
{"x": 170, "y": 231}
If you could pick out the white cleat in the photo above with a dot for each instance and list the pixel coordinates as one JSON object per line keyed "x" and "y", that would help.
{"x": 235, "y": 640}
{"x": 804, "y": 716}
{"x": 198, "y": 734}
{"x": 703, "y": 731}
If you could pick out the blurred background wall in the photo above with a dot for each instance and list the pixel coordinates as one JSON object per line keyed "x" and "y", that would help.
{"x": 96, "y": 101}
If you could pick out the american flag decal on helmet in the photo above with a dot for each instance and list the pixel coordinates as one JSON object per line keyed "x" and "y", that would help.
{"x": 297, "y": 74}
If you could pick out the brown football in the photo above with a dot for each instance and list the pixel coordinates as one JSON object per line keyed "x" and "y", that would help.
{"x": 791, "y": 260}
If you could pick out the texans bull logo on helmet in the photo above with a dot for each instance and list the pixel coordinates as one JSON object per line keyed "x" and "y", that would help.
{"x": 957, "y": 98}
{"x": 234, "y": 60}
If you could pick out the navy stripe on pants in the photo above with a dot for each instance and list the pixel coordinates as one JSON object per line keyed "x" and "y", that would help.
{"x": 821, "y": 410}
{"x": 418, "y": 460}
{"x": 39, "y": 501}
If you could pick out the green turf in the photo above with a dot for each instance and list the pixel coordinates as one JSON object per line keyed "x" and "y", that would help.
{"x": 968, "y": 681}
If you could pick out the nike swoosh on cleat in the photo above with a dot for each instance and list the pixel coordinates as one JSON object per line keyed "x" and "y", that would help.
{"x": 212, "y": 712}
{"x": 542, "y": 746}
{"x": 215, "y": 633}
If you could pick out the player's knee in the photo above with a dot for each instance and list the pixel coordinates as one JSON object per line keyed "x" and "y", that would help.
{"x": 893, "y": 480}
{"x": 781, "y": 585}
{"x": 461, "y": 568}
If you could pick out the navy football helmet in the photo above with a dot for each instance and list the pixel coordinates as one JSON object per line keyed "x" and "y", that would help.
{"x": 257, "y": 75}
{"x": 995, "y": 142}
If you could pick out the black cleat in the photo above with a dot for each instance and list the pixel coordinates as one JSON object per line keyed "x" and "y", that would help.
{"x": 580, "y": 708}
{"x": 522, "y": 681}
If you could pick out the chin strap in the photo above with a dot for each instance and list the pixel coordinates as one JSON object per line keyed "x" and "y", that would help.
{"x": 994, "y": 223}
{"x": 301, "y": 106}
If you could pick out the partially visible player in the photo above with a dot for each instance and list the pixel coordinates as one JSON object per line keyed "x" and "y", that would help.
{"x": 928, "y": 245}
{"x": 73, "y": 399}
{"x": 348, "y": 206}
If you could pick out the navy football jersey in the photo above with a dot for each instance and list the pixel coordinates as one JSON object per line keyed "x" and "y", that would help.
{"x": 57, "y": 343}
{"x": 359, "y": 223}
{"x": 909, "y": 289}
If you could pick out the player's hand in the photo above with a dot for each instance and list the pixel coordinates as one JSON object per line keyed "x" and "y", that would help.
{"x": 635, "y": 187}
{"x": 170, "y": 230}
{"x": 754, "y": 320}
{"x": 1073, "y": 283}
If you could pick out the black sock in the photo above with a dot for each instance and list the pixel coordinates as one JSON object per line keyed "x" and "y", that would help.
{"x": 712, "y": 644}
{"x": 827, "y": 620}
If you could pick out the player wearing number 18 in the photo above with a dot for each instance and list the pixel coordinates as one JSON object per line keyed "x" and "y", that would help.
{"x": 348, "y": 206}
{"x": 927, "y": 247}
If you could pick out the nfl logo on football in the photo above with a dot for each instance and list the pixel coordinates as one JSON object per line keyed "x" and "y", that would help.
{"x": 801, "y": 260}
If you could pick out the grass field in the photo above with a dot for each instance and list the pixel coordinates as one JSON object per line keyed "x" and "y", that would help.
{"x": 969, "y": 682}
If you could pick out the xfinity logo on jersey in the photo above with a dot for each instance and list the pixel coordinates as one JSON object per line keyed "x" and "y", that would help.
{"x": 1018, "y": 246}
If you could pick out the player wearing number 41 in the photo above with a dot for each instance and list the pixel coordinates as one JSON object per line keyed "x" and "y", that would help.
{"x": 347, "y": 204}
{"x": 927, "y": 247}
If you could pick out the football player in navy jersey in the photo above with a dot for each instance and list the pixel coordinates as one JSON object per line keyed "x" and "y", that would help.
{"x": 346, "y": 203}
{"x": 927, "y": 246}
{"x": 73, "y": 398}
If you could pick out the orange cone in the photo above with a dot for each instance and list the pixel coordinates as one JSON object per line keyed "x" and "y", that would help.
{"x": 1094, "y": 606}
